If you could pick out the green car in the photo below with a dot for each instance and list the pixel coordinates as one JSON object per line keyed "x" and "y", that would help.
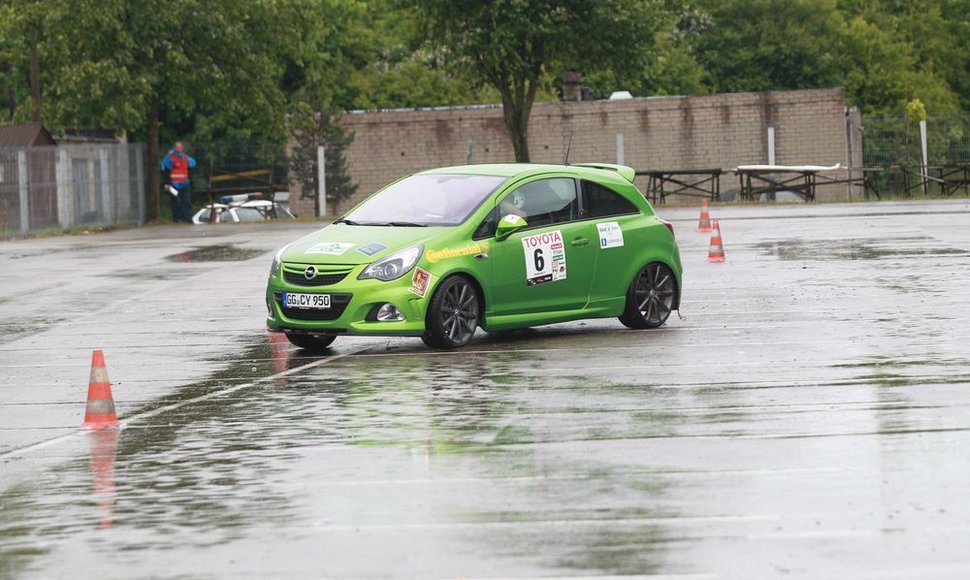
{"x": 442, "y": 252}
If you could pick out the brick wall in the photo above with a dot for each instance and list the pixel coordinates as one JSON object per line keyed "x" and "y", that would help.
{"x": 658, "y": 133}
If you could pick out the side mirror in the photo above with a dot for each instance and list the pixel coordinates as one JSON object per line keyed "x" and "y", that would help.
{"x": 508, "y": 225}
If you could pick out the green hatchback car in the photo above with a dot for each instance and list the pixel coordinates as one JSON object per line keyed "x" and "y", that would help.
{"x": 440, "y": 253}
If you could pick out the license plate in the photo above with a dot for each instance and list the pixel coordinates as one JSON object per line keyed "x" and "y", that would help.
{"x": 306, "y": 301}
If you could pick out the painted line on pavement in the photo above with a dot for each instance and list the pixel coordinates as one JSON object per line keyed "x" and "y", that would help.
{"x": 170, "y": 407}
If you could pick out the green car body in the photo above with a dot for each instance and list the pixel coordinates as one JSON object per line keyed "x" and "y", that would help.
{"x": 570, "y": 264}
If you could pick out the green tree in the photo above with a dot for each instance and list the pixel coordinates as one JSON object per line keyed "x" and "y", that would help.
{"x": 757, "y": 45}
{"x": 393, "y": 66}
{"x": 958, "y": 31}
{"x": 880, "y": 72}
{"x": 894, "y": 51}
{"x": 884, "y": 52}
{"x": 672, "y": 68}
{"x": 20, "y": 83}
{"x": 132, "y": 64}
{"x": 512, "y": 43}
{"x": 311, "y": 129}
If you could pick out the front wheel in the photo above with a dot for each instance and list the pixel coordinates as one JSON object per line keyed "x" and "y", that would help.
{"x": 650, "y": 297}
{"x": 311, "y": 342}
{"x": 453, "y": 314}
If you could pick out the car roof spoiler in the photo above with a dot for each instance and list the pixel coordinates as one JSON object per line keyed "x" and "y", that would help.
{"x": 628, "y": 173}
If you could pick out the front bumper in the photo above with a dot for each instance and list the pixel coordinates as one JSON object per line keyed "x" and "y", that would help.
{"x": 352, "y": 305}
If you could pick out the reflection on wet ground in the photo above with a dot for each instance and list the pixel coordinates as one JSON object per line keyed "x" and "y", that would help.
{"x": 858, "y": 249}
{"x": 805, "y": 420}
{"x": 217, "y": 253}
{"x": 173, "y": 274}
{"x": 453, "y": 464}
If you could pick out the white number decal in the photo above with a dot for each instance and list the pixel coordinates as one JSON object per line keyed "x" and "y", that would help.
{"x": 545, "y": 258}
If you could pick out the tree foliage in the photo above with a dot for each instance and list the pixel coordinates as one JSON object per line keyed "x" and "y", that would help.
{"x": 883, "y": 52}
{"x": 311, "y": 129}
{"x": 512, "y": 44}
{"x": 263, "y": 69}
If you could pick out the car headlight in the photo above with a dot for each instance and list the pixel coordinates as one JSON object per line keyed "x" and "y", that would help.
{"x": 393, "y": 266}
{"x": 274, "y": 269}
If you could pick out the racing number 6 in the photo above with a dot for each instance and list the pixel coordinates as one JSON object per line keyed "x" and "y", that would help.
{"x": 540, "y": 262}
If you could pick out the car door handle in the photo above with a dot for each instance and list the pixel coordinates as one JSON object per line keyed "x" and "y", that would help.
{"x": 580, "y": 242}
{"x": 481, "y": 257}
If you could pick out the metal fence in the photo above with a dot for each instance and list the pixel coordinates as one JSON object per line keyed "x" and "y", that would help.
{"x": 65, "y": 187}
{"x": 894, "y": 145}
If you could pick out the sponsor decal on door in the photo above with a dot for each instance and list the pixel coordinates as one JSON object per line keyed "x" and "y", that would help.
{"x": 611, "y": 236}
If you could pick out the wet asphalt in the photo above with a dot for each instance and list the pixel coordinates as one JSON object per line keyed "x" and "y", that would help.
{"x": 808, "y": 418}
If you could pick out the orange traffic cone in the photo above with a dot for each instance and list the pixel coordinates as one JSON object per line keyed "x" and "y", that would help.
{"x": 704, "y": 225}
{"x": 716, "y": 252}
{"x": 100, "y": 412}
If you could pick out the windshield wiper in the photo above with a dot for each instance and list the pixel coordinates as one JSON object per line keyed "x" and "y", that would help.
{"x": 406, "y": 224}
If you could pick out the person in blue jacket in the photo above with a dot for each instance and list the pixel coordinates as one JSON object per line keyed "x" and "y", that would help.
{"x": 177, "y": 163}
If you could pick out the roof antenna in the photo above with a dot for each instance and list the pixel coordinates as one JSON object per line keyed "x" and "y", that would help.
{"x": 569, "y": 146}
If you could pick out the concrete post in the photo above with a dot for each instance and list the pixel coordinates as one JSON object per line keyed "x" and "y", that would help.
{"x": 469, "y": 152}
{"x": 23, "y": 176}
{"x": 619, "y": 147}
{"x": 321, "y": 181}
{"x": 924, "y": 171}
{"x": 65, "y": 201}
{"x": 771, "y": 145}
{"x": 849, "y": 129}
{"x": 107, "y": 199}
{"x": 140, "y": 185}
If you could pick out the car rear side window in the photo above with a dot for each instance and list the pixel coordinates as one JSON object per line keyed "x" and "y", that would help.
{"x": 601, "y": 201}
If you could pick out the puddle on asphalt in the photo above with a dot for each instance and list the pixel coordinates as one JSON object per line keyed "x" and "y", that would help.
{"x": 174, "y": 274}
{"x": 217, "y": 253}
{"x": 11, "y": 331}
{"x": 211, "y": 472}
{"x": 858, "y": 249}
{"x": 903, "y": 361}
{"x": 381, "y": 440}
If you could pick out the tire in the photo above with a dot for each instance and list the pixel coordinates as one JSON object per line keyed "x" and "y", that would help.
{"x": 453, "y": 314}
{"x": 311, "y": 342}
{"x": 651, "y": 297}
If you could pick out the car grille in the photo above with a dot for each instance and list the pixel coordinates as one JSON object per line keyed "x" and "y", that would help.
{"x": 338, "y": 303}
{"x": 326, "y": 275}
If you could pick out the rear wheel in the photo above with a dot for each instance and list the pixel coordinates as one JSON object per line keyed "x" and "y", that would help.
{"x": 650, "y": 298}
{"x": 452, "y": 314}
{"x": 313, "y": 342}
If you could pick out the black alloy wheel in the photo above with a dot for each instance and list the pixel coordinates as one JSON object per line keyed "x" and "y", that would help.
{"x": 650, "y": 299}
{"x": 453, "y": 314}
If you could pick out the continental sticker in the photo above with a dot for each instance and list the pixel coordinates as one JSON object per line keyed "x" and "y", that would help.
{"x": 372, "y": 248}
{"x": 330, "y": 248}
{"x": 611, "y": 236}
{"x": 435, "y": 256}
{"x": 420, "y": 282}
{"x": 545, "y": 258}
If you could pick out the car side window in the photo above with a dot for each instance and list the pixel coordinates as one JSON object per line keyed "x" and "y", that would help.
{"x": 543, "y": 202}
{"x": 601, "y": 201}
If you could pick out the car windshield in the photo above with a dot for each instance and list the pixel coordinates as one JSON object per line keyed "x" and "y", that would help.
{"x": 425, "y": 200}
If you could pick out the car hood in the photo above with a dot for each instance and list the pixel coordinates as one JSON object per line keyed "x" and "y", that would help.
{"x": 352, "y": 245}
